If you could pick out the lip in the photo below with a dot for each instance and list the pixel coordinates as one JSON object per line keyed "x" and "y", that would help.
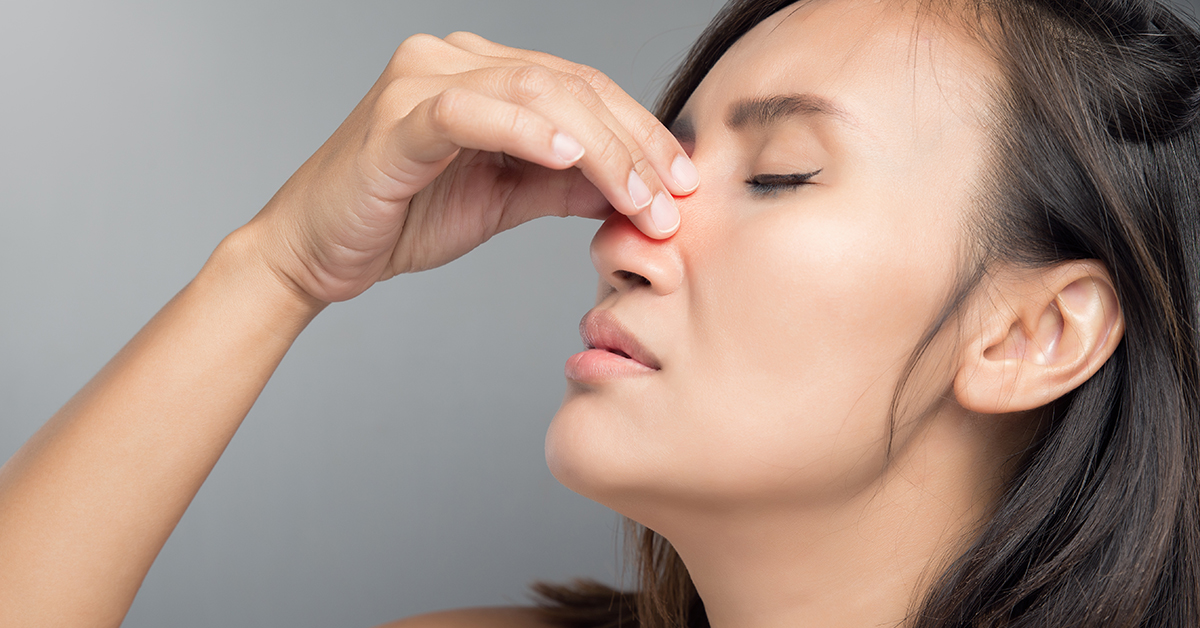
{"x": 611, "y": 351}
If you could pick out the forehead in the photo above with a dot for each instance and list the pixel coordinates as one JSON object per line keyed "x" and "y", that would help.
{"x": 894, "y": 69}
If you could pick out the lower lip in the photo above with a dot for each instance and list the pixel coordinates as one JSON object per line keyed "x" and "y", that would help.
{"x": 598, "y": 365}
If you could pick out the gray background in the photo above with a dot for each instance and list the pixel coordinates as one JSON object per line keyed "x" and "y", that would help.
{"x": 394, "y": 464}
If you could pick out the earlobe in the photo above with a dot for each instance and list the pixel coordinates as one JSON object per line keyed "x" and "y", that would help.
{"x": 1041, "y": 334}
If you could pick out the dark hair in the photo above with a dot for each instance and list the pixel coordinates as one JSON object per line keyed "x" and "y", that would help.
{"x": 1096, "y": 156}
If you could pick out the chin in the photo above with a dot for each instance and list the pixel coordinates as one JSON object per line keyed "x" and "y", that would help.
{"x": 589, "y": 450}
{"x": 598, "y": 446}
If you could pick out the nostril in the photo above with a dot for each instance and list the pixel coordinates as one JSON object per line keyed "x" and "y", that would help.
{"x": 631, "y": 278}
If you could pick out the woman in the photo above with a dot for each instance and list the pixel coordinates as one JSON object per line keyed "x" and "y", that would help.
{"x": 897, "y": 328}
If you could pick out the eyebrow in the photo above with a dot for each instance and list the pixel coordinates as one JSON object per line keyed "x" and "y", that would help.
{"x": 762, "y": 112}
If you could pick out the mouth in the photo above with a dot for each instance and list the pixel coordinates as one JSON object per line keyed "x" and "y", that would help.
{"x": 602, "y": 331}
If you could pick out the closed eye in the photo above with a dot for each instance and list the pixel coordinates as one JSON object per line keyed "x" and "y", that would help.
{"x": 773, "y": 184}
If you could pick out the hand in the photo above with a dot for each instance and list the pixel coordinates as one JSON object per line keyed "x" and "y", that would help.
{"x": 458, "y": 140}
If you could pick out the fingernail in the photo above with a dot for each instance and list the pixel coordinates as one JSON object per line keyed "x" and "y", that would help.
{"x": 685, "y": 173}
{"x": 664, "y": 213}
{"x": 638, "y": 190}
{"x": 566, "y": 148}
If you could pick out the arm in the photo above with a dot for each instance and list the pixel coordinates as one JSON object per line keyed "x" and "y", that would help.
{"x": 421, "y": 172}
{"x": 88, "y": 502}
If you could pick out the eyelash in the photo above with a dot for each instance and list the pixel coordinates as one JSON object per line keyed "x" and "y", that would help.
{"x": 773, "y": 184}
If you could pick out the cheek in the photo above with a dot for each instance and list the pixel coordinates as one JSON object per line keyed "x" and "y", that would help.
{"x": 803, "y": 323}
{"x": 811, "y": 291}
{"x": 785, "y": 346}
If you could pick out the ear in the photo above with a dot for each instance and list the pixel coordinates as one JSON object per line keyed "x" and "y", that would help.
{"x": 1042, "y": 333}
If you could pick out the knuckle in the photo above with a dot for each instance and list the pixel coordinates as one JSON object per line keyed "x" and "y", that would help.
{"x": 611, "y": 150}
{"x": 530, "y": 82}
{"x": 462, "y": 37}
{"x": 640, "y": 162}
{"x": 580, "y": 87}
{"x": 651, "y": 132}
{"x": 412, "y": 54}
{"x": 415, "y": 45}
{"x": 598, "y": 80}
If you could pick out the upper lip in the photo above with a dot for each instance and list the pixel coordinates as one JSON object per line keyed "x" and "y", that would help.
{"x": 601, "y": 330}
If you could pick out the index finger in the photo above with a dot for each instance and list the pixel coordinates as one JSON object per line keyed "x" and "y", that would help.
{"x": 661, "y": 148}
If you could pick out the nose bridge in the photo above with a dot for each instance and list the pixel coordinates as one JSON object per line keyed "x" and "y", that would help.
{"x": 627, "y": 259}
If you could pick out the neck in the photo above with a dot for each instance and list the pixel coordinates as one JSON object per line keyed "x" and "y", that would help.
{"x": 863, "y": 561}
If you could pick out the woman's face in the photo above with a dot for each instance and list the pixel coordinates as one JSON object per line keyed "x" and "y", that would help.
{"x": 837, "y": 144}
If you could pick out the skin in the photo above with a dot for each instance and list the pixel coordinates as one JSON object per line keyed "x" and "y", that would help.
{"x": 458, "y": 139}
{"x": 780, "y": 322}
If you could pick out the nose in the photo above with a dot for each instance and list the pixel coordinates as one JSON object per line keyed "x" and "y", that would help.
{"x": 627, "y": 260}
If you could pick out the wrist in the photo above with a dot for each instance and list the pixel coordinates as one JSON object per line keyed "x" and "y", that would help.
{"x": 240, "y": 265}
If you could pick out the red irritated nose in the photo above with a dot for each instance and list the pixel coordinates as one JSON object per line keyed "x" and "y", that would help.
{"x": 629, "y": 260}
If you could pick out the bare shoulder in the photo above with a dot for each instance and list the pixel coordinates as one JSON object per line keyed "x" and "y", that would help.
{"x": 491, "y": 617}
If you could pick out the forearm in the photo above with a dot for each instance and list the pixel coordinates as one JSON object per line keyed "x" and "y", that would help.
{"x": 88, "y": 502}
